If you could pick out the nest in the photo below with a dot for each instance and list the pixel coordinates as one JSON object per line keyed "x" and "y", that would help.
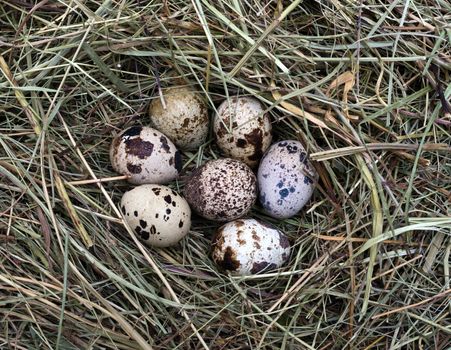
{"x": 364, "y": 86}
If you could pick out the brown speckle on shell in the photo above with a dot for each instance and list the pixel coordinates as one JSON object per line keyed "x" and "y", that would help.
{"x": 218, "y": 240}
{"x": 283, "y": 241}
{"x": 262, "y": 265}
{"x": 241, "y": 143}
{"x": 221, "y": 132}
{"x": 255, "y": 236}
{"x": 164, "y": 144}
{"x": 138, "y": 147}
{"x": 255, "y": 138}
{"x": 134, "y": 169}
{"x": 132, "y": 131}
{"x": 241, "y": 241}
{"x": 239, "y": 223}
{"x": 228, "y": 261}
{"x": 156, "y": 190}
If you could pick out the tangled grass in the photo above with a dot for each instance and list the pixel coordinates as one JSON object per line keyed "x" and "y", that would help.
{"x": 365, "y": 85}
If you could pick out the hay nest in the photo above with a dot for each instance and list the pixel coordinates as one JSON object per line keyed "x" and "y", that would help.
{"x": 364, "y": 86}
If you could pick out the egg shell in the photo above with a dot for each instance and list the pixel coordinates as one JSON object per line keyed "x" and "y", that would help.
{"x": 286, "y": 179}
{"x": 184, "y": 120}
{"x": 247, "y": 246}
{"x": 242, "y": 129}
{"x": 157, "y": 214}
{"x": 145, "y": 155}
{"x": 222, "y": 190}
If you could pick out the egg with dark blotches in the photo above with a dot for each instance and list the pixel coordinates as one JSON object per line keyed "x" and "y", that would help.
{"x": 247, "y": 246}
{"x": 286, "y": 179}
{"x": 157, "y": 214}
{"x": 242, "y": 129}
{"x": 184, "y": 118}
{"x": 145, "y": 155}
{"x": 222, "y": 189}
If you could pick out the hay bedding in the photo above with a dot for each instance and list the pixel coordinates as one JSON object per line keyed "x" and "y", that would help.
{"x": 364, "y": 85}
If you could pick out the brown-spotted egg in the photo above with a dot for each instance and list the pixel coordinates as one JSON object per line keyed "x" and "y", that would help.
{"x": 157, "y": 214}
{"x": 184, "y": 119}
{"x": 222, "y": 189}
{"x": 286, "y": 179}
{"x": 242, "y": 129}
{"x": 247, "y": 246}
{"x": 145, "y": 155}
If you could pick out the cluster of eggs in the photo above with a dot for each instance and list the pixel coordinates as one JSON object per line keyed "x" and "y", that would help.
{"x": 222, "y": 190}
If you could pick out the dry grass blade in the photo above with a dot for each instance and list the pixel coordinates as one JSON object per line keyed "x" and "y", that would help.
{"x": 298, "y": 111}
{"x": 437, "y": 296}
{"x": 263, "y": 36}
{"x": 31, "y": 114}
{"x": 346, "y": 151}
{"x": 78, "y": 225}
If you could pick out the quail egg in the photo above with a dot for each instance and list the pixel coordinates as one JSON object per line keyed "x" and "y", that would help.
{"x": 145, "y": 155}
{"x": 286, "y": 179}
{"x": 185, "y": 118}
{"x": 157, "y": 214}
{"x": 222, "y": 190}
{"x": 242, "y": 129}
{"x": 247, "y": 246}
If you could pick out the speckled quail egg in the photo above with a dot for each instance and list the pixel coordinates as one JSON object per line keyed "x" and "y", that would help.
{"x": 286, "y": 179}
{"x": 157, "y": 214}
{"x": 185, "y": 118}
{"x": 242, "y": 129}
{"x": 247, "y": 246}
{"x": 145, "y": 155}
{"x": 222, "y": 189}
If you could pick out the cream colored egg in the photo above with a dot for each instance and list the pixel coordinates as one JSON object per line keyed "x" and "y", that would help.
{"x": 247, "y": 246}
{"x": 242, "y": 129}
{"x": 184, "y": 120}
{"x": 145, "y": 155}
{"x": 157, "y": 214}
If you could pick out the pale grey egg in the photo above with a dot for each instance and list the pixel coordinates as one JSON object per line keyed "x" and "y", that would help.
{"x": 286, "y": 179}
